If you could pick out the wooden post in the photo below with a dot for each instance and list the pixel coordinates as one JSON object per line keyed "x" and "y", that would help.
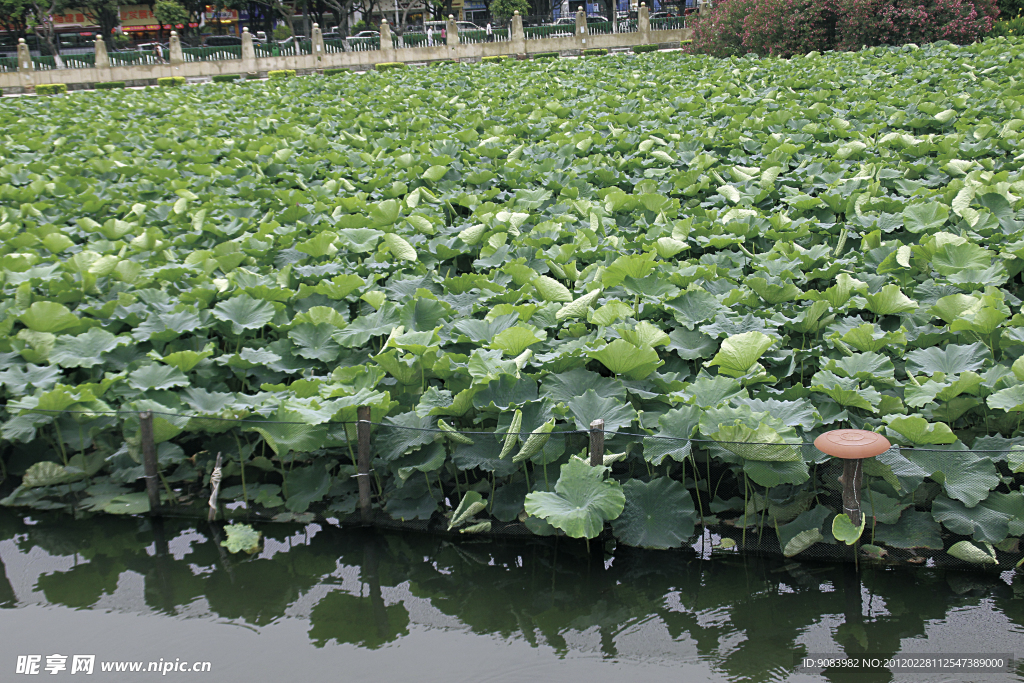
{"x": 852, "y": 446}
{"x": 596, "y": 443}
{"x": 851, "y": 480}
{"x": 363, "y": 475}
{"x": 149, "y": 460}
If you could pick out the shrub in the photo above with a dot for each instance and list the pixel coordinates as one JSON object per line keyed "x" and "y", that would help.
{"x": 595, "y": 52}
{"x": 110, "y": 85}
{"x": 719, "y": 31}
{"x": 387, "y": 66}
{"x": 442, "y": 62}
{"x": 225, "y": 78}
{"x": 783, "y": 28}
{"x": 644, "y": 48}
{"x": 51, "y": 89}
{"x": 496, "y": 58}
{"x": 1011, "y": 27}
{"x": 546, "y": 55}
{"x": 334, "y": 72}
{"x": 280, "y": 73}
{"x": 171, "y": 81}
{"x": 281, "y": 32}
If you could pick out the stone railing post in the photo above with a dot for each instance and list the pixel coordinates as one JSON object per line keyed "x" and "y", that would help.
{"x": 387, "y": 45}
{"x": 644, "y": 24}
{"x": 25, "y": 65}
{"x": 518, "y": 35}
{"x": 248, "y": 52}
{"x": 177, "y": 56}
{"x": 581, "y": 28}
{"x": 452, "y": 31}
{"x": 102, "y": 60}
{"x": 317, "y": 45}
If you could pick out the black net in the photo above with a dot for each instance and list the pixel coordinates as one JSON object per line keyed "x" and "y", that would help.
{"x": 532, "y": 476}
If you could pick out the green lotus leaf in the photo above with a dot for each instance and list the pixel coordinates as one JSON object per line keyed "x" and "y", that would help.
{"x": 694, "y": 307}
{"x": 579, "y": 307}
{"x": 803, "y": 532}
{"x": 244, "y": 313}
{"x": 50, "y": 317}
{"x": 691, "y": 344}
{"x": 740, "y": 352}
{"x": 673, "y": 440}
{"x": 609, "y": 313}
{"x": 799, "y": 413}
{"x": 953, "y": 258}
{"x": 657, "y": 514}
{"x": 889, "y": 300}
{"x": 399, "y": 247}
{"x": 427, "y": 459}
{"x": 964, "y": 475}
{"x": 48, "y": 473}
{"x": 515, "y": 340}
{"x": 623, "y": 358}
{"x": 993, "y": 519}
{"x": 868, "y": 339}
{"x": 286, "y": 432}
{"x": 590, "y": 406}
{"x": 551, "y": 289}
{"x": 844, "y": 530}
{"x": 867, "y": 367}
{"x": 506, "y": 392}
{"x": 423, "y": 315}
{"x": 636, "y": 266}
{"x": 708, "y": 392}
{"x": 1010, "y": 399}
{"x": 385, "y": 213}
{"x": 951, "y": 360}
{"x": 916, "y": 430}
{"x": 846, "y": 392}
{"x": 471, "y": 504}
{"x": 315, "y": 341}
{"x": 154, "y": 376}
{"x": 644, "y": 334}
{"x": 186, "y": 361}
{"x": 969, "y": 552}
{"x": 914, "y": 529}
{"x": 925, "y": 217}
{"x": 566, "y": 386}
{"x": 304, "y": 486}
{"x": 85, "y": 350}
{"x": 583, "y": 500}
{"x": 241, "y": 538}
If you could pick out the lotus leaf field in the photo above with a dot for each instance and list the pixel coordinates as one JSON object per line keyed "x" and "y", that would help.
{"x": 721, "y": 259}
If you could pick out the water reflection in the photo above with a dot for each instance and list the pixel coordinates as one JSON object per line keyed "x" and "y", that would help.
{"x": 742, "y": 619}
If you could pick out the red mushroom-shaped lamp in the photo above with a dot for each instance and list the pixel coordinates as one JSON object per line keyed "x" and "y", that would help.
{"x": 852, "y": 446}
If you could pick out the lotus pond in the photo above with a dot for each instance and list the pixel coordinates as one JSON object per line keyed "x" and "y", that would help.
{"x": 719, "y": 258}
{"x": 392, "y": 606}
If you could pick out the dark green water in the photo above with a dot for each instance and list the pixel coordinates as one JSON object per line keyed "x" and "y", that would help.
{"x": 326, "y": 604}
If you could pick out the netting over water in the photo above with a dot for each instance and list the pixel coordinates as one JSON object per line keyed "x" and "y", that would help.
{"x": 948, "y": 506}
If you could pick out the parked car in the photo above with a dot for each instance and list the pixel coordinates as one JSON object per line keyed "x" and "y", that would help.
{"x": 222, "y": 41}
{"x": 362, "y": 35}
{"x": 151, "y": 47}
{"x": 332, "y": 35}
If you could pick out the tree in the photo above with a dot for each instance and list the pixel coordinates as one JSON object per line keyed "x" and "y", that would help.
{"x": 43, "y": 12}
{"x": 14, "y": 16}
{"x": 506, "y": 8}
{"x": 170, "y": 12}
{"x": 104, "y": 13}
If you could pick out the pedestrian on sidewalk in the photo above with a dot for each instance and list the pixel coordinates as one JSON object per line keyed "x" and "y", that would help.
{"x": 430, "y": 36}
{"x": 490, "y": 33}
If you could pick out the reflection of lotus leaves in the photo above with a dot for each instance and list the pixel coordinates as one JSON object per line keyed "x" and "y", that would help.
{"x": 346, "y": 618}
